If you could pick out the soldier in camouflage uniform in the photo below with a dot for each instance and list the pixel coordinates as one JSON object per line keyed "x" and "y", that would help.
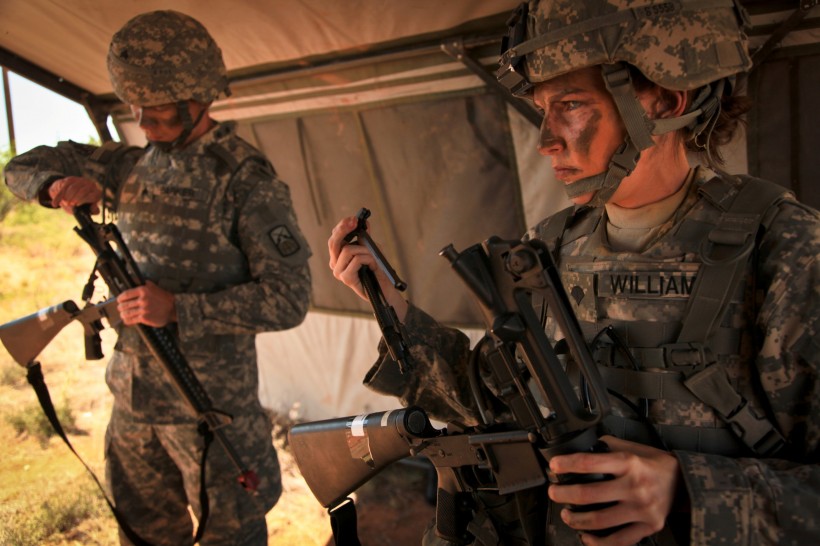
{"x": 213, "y": 230}
{"x": 697, "y": 290}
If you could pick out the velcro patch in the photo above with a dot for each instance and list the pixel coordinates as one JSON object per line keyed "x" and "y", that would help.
{"x": 284, "y": 241}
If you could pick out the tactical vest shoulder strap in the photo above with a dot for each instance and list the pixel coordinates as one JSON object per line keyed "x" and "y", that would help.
{"x": 101, "y": 162}
{"x": 725, "y": 252}
{"x": 241, "y": 187}
{"x": 566, "y": 226}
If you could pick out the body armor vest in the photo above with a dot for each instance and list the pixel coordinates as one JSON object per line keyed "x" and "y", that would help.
{"x": 177, "y": 214}
{"x": 171, "y": 219}
{"x": 671, "y": 327}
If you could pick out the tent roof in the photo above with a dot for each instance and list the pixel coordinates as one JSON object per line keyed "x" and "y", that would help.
{"x": 69, "y": 38}
{"x": 62, "y": 43}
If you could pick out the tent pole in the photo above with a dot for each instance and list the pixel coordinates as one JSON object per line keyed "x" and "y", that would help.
{"x": 780, "y": 32}
{"x": 9, "y": 114}
{"x": 455, "y": 48}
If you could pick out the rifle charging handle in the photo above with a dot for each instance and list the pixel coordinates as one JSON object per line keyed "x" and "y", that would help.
{"x": 520, "y": 261}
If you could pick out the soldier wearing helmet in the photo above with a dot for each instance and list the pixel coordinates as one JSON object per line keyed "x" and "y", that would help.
{"x": 198, "y": 208}
{"x": 166, "y": 60}
{"x": 697, "y": 289}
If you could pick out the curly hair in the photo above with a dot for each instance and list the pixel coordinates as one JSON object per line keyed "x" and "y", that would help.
{"x": 733, "y": 107}
{"x": 719, "y": 132}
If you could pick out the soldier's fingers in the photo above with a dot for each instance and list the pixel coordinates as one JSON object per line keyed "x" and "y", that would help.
{"x": 627, "y": 536}
{"x": 336, "y": 241}
{"x": 591, "y": 463}
{"x": 350, "y": 260}
{"x": 56, "y": 190}
{"x": 82, "y": 192}
{"x": 128, "y": 295}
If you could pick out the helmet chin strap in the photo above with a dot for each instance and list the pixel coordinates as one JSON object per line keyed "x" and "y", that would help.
{"x": 187, "y": 127}
{"x": 700, "y": 118}
{"x": 621, "y": 164}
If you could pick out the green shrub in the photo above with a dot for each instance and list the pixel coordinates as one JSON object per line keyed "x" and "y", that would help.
{"x": 31, "y": 420}
{"x": 50, "y": 514}
{"x": 12, "y": 375}
{"x": 7, "y": 200}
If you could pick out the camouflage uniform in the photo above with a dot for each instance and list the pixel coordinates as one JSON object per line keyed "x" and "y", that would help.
{"x": 211, "y": 223}
{"x": 772, "y": 361}
{"x": 733, "y": 398}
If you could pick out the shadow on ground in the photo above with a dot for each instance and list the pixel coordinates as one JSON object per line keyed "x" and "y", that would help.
{"x": 396, "y": 506}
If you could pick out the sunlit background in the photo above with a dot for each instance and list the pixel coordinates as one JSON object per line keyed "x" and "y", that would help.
{"x": 41, "y": 117}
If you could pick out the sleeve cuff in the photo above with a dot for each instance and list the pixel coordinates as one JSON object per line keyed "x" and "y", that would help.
{"x": 43, "y": 196}
{"x": 719, "y": 495}
{"x": 189, "y": 316}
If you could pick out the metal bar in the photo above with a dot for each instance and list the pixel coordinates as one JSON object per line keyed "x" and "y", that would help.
{"x": 9, "y": 114}
{"x": 455, "y": 48}
{"x": 780, "y": 32}
{"x": 97, "y": 109}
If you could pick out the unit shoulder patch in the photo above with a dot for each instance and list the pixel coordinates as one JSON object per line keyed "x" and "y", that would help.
{"x": 284, "y": 241}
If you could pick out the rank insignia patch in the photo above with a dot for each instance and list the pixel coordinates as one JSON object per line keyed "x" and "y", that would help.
{"x": 577, "y": 294}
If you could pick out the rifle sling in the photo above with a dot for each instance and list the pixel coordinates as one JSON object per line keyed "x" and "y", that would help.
{"x": 34, "y": 375}
{"x": 343, "y": 523}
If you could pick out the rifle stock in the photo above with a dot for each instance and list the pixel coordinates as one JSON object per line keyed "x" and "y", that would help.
{"x": 337, "y": 456}
{"x": 351, "y": 450}
{"x": 26, "y": 337}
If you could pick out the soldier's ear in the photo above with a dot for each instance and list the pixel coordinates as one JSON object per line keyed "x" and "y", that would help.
{"x": 669, "y": 103}
{"x": 680, "y": 102}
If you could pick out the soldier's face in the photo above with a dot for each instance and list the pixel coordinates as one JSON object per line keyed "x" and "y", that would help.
{"x": 163, "y": 124}
{"x": 581, "y": 128}
{"x": 159, "y": 123}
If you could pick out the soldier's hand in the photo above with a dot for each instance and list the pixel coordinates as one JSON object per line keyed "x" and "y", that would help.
{"x": 147, "y": 304}
{"x": 71, "y": 191}
{"x": 644, "y": 486}
{"x": 347, "y": 259}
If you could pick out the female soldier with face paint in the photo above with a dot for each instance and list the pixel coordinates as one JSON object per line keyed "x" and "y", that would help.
{"x": 697, "y": 290}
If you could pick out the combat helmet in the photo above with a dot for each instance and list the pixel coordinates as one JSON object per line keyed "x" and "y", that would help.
{"x": 163, "y": 57}
{"x": 682, "y": 45}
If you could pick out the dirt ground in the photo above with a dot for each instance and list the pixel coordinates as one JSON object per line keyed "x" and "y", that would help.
{"x": 392, "y": 508}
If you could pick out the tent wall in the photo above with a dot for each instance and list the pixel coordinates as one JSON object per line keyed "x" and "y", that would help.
{"x": 785, "y": 122}
{"x": 438, "y": 167}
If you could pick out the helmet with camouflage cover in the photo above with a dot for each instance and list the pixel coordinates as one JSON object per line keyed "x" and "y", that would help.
{"x": 682, "y": 45}
{"x": 163, "y": 57}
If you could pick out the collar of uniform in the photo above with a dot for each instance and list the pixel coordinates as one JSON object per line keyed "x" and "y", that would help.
{"x": 632, "y": 230}
{"x": 218, "y": 133}
{"x": 648, "y": 216}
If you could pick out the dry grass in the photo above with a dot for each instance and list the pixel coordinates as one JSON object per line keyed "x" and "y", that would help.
{"x": 45, "y": 493}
